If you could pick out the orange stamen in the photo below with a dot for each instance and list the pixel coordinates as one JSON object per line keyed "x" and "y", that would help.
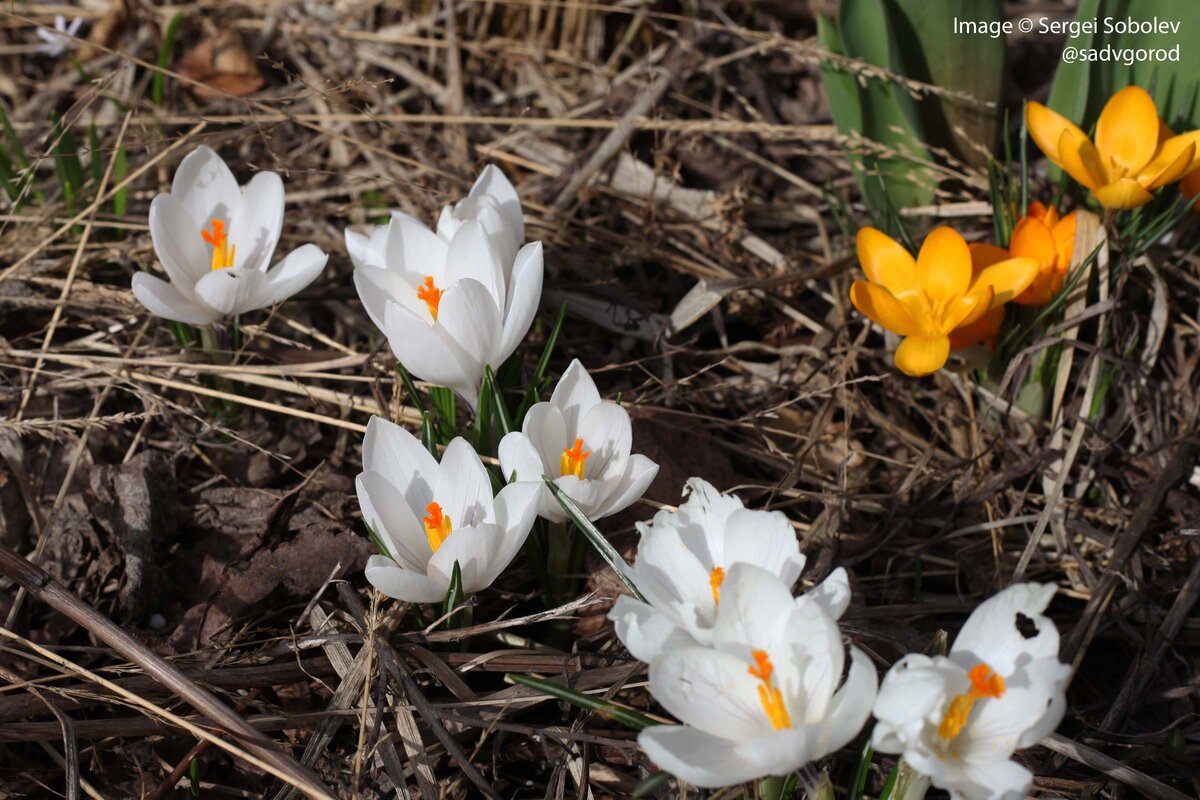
{"x": 573, "y": 460}
{"x": 437, "y": 526}
{"x": 984, "y": 683}
{"x": 770, "y": 696}
{"x": 223, "y": 253}
{"x": 431, "y": 295}
{"x": 715, "y": 579}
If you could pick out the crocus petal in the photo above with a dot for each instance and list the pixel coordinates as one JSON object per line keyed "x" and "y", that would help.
{"x": 295, "y": 272}
{"x": 495, "y": 184}
{"x": 415, "y": 250}
{"x": 426, "y": 352}
{"x": 985, "y": 327}
{"x": 473, "y": 549}
{"x": 1008, "y": 279}
{"x": 575, "y": 395}
{"x": 984, "y": 255}
{"x": 377, "y": 287}
{"x": 645, "y": 631}
{"x": 1127, "y": 130}
{"x": 516, "y": 509}
{"x": 608, "y": 434}
{"x": 387, "y": 513}
{"x": 233, "y": 291}
{"x": 922, "y": 355}
{"x": 1008, "y": 627}
{"x": 1125, "y": 193}
{"x": 1081, "y": 160}
{"x": 164, "y": 300}
{"x": 881, "y": 307}
{"x": 765, "y": 539}
{"x": 886, "y": 262}
{"x": 832, "y": 594}
{"x": 1033, "y": 239}
{"x": 1047, "y": 127}
{"x": 255, "y": 232}
{"x": 711, "y": 690}
{"x": 547, "y": 430}
{"x": 469, "y": 316}
{"x": 746, "y": 593}
{"x": 403, "y": 584}
{"x": 178, "y": 243}
{"x": 697, "y": 757}
{"x": 463, "y": 487}
{"x": 471, "y": 256}
{"x": 988, "y": 780}
{"x": 944, "y": 265}
{"x": 205, "y": 187}
{"x": 519, "y": 459}
{"x": 851, "y": 706}
{"x": 1031, "y": 707}
{"x": 524, "y": 295}
{"x": 1177, "y": 157}
{"x": 640, "y": 472}
{"x": 402, "y": 460}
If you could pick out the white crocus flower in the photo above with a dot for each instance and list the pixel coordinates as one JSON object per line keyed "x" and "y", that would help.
{"x": 958, "y": 718}
{"x": 58, "y": 41}
{"x": 454, "y": 301}
{"x": 764, "y": 698}
{"x": 682, "y": 560}
{"x": 429, "y": 516}
{"x": 583, "y": 443}
{"x": 215, "y": 240}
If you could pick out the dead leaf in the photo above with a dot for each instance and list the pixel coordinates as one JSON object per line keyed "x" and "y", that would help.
{"x": 223, "y": 66}
{"x": 107, "y": 31}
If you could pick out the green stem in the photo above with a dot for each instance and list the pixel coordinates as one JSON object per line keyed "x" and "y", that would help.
{"x": 771, "y": 788}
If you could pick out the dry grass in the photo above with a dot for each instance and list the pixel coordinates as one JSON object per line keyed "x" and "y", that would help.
{"x": 675, "y": 159}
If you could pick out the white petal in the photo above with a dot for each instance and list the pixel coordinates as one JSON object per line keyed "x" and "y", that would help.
{"x": 164, "y": 300}
{"x": 851, "y": 706}
{"x": 402, "y": 460}
{"x": 587, "y": 495}
{"x": 376, "y": 286}
{"x": 754, "y": 608}
{"x": 781, "y": 752}
{"x": 646, "y": 632}
{"x": 668, "y": 573}
{"x": 362, "y": 254}
{"x": 472, "y": 257}
{"x": 205, "y": 187}
{"x": 518, "y": 456}
{"x": 403, "y": 584}
{"x": 412, "y": 248}
{"x": 471, "y": 319}
{"x": 694, "y": 756}
{"x": 475, "y": 551}
{"x": 233, "y": 291}
{"x": 295, "y": 272}
{"x": 710, "y": 690}
{"x": 575, "y": 395}
{"x": 765, "y": 539}
{"x": 387, "y": 513}
{"x": 640, "y": 472}
{"x": 608, "y": 435}
{"x": 255, "y": 232}
{"x": 546, "y": 429}
{"x": 524, "y": 296}
{"x": 494, "y": 183}
{"x": 1031, "y": 707}
{"x": 463, "y": 487}
{"x": 1008, "y": 629}
{"x": 913, "y": 692}
{"x": 430, "y": 355}
{"x": 516, "y": 509}
{"x": 178, "y": 243}
{"x": 832, "y": 594}
{"x": 986, "y": 780}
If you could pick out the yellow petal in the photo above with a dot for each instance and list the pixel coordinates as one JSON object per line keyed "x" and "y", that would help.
{"x": 882, "y": 308}
{"x": 1006, "y": 279}
{"x": 1064, "y": 241}
{"x": 968, "y": 309}
{"x": 1127, "y": 131}
{"x": 1031, "y": 238}
{"x": 886, "y": 262}
{"x": 922, "y": 355}
{"x": 1047, "y": 127}
{"x": 944, "y": 265}
{"x": 985, "y": 327}
{"x": 1190, "y": 185}
{"x": 1080, "y": 159}
{"x": 1178, "y": 156}
{"x": 1125, "y": 193}
{"x": 984, "y": 255}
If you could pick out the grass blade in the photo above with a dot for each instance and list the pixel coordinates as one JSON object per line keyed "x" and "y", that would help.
{"x": 602, "y": 545}
{"x": 617, "y": 713}
{"x": 164, "y": 56}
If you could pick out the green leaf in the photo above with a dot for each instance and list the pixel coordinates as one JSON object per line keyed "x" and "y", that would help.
{"x": 164, "y": 57}
{"x": 602, "y": 545}
{"x": 548, "y": 350}
{"x": 120, "y": 170}
{"x": 94, "y": 155}
{"x": 501, "y": 412}
{"x": 650, "y": 784}
{"x": 617, "y": 713}
{"x": 414, "y": 396}
{"x": 428, "y": 434}
{"x": 859, "y": 785}
{"x": 455, "y": 617}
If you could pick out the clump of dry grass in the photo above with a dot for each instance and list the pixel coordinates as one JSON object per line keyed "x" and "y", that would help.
{"x": 678, "y": 163}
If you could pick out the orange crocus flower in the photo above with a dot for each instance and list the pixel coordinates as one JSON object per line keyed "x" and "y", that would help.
{"x": 1134, "y": 152}
{"x": 1190, "y": 186}
{"x": 934, "y": 300}
{"x": 1049, "y": 239}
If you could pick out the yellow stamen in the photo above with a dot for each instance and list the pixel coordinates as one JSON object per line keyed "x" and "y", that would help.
{"x": 223, "y": 252}
{"x": 984, "y": 683}
{"x": 715, "y": 579}
{"x": 573, "y": 460}
{"x": 431, "y": 295}
{"x": 770, "y": 696}
{"x": 437, "y": 526}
